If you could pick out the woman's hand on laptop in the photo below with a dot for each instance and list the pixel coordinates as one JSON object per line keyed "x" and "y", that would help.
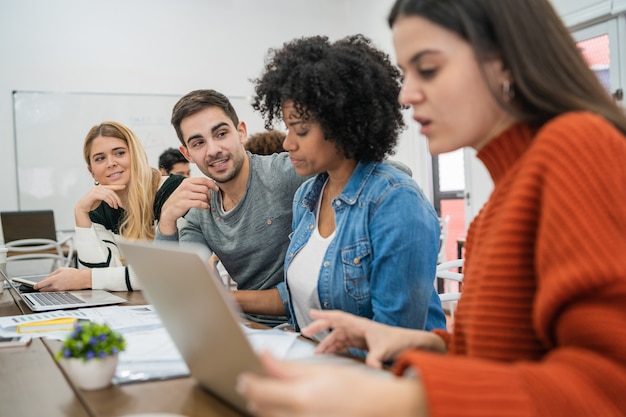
{"x": 64, "y": 279}
{"x": 307, "y": 390}
{"x": 383, "y": 342}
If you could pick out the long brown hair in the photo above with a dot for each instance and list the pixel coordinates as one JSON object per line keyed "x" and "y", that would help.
{"x": 550, "y": 76}
{"x": 138, "y": 220}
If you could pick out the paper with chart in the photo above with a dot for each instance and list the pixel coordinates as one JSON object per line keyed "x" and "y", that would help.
{"x": 150, "y": 352}
{"x": 8, "y": 324}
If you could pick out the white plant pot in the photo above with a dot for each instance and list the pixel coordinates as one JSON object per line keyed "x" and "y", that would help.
{"x": 92, "y": 374}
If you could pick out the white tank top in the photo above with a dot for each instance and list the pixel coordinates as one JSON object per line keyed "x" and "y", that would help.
{"x": 303, "y": 275}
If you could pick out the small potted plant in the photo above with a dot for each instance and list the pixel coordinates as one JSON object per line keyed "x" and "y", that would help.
{"x": 89, "y": 354}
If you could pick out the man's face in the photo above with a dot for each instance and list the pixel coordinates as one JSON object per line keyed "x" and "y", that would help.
{"x": 214, "y": 143}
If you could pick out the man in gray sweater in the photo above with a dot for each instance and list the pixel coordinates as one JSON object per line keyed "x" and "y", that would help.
{"x": 242, "y": 210}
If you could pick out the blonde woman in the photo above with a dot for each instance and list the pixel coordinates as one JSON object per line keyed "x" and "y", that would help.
{"x": 125, "y": 201}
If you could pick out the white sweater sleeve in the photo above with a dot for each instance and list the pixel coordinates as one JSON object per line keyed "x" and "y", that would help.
{"x": 113, "y": 279}
{"x": 98, "y": 251}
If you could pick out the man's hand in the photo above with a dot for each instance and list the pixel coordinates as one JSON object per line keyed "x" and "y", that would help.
{"x": 191, "y": 193}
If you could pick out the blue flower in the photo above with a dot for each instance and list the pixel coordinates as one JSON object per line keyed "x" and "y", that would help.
{"x": 91, "y": 340}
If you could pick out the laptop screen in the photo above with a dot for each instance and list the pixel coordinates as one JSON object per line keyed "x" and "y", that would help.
{"x": 28, "y": 225}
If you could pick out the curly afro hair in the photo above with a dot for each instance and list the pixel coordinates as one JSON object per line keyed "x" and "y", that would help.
{"x": 349, "y": 87}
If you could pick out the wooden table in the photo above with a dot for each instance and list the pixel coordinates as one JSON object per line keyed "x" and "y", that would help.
{"x": 32, "y": 383}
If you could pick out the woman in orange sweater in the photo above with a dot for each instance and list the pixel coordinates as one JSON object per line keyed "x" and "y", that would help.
{"x": 539, "y": 329}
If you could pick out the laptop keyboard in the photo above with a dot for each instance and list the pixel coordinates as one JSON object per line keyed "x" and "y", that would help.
{"x": 56, "y": 298}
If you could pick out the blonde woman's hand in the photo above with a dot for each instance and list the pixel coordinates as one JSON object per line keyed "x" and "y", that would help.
{"x": 383, "y": 342}
{"x": 65, "y": 279}
{"x": 93, "y": 198}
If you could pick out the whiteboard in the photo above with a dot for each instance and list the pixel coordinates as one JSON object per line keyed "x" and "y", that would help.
{"x": 50, "y": 128}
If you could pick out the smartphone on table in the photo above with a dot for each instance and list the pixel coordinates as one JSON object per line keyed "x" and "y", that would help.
{"x": 29, "y": 280}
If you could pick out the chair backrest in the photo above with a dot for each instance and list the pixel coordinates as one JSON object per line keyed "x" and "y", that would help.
{"x": 56, "y": 254}
{"x": 443, "y": 238}
{"x": 449, "y": 272}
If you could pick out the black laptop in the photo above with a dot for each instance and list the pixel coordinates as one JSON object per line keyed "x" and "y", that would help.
{"x": 32, "y": 224}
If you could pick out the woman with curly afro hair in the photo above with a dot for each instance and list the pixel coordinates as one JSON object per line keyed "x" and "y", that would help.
{"x": 365, "y": 238}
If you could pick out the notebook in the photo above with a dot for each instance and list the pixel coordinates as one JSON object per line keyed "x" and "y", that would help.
{"x": 46, "y": 301}
{"x": 200, "y": 315}
{"x": 28, "y": 225}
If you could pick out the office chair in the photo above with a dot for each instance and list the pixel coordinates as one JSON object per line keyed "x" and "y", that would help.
{"x": 444, "y": 222}
{"x": 449, "y": 272}
{"x": 40, "y": 255}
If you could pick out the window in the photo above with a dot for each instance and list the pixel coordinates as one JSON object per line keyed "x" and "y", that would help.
{"x": 600, "y": 46}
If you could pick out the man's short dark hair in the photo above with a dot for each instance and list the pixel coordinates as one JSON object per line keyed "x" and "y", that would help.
{"x": 169, "y": 158}
{"x": 198, "y": 100}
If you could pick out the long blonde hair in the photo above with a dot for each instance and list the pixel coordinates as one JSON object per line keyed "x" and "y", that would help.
{"x": 138, "y": 220}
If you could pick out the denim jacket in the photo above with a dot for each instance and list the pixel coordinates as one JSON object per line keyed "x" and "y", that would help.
{"x": 381, "y": 263}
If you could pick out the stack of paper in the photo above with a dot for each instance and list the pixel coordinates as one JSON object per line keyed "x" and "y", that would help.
{"x": 52, "y": 324}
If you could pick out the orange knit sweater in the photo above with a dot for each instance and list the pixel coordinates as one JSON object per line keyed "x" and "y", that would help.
{"x": 541, "y": 327}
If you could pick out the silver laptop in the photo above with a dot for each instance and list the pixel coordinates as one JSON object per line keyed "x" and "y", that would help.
{"x": 198, "y": 312}
{"x": 203, "y": 319}
{"x": 46, "y": 301}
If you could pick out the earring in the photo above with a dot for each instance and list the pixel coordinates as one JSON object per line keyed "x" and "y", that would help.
{"x": 95, "y": 182}
{"x": 507, "y": 91}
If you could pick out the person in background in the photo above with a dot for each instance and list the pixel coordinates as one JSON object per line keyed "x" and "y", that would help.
{"x": 266, "y": 143}
{"x": 539, "y": 328}
{"x": 247, "y": 220}
{"x": 172, "y": 161}
{"x": 365, "y": 238}
{"x": 126, "y": 200}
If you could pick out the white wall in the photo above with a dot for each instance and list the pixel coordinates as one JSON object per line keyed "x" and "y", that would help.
{"x": 161, "y": 47}
{"x": 167, "y": 47}
{"x": 577, "y": 13}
